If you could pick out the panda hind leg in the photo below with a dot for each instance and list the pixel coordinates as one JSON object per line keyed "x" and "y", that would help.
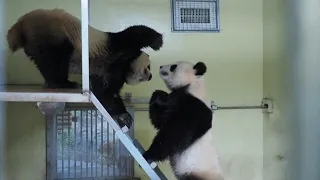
{"x": 63, "y": 75}
{"x": 63, "y": 55}
{"x": 53, "y": 62}
{"x": 54, "y": 73}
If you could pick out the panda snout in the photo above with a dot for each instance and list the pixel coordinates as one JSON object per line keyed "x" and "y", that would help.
{"x": 164, "y": 73}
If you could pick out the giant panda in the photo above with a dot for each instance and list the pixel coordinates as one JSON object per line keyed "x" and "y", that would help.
{"x": 52, "y": 40}
{"x": 183, "y": 120}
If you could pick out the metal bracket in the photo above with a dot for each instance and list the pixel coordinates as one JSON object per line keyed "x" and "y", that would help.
{"x": 213, "y": 106}
{"x": 268, "y": 103}
{"x": 50, "y": 108}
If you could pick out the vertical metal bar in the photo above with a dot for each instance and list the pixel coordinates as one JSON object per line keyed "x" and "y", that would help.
{"x": 87, "y": 154}
{"x": 85, "y": 11}
{"x": 131, "y": 160}
{"x": 101, "y": 134}
{"x": 68, "y": 143}
{"x": 75, "y": 153}
{"x": 56, "y": 141}
{"x": 114, "y": 154}
{"x": 51, "y": 147}
{"x": 2, "y": 115}
{"x": 81, "y": 142}
{"x": 108, "y": 150}
{"x": 62, "y": 145}
{"x": 96, "y": 142}
{"x": 54, "y": 148}
{"x": 91, "y": 144}
{"x": 304, "y": 72}
{"x": 119, "y": 162}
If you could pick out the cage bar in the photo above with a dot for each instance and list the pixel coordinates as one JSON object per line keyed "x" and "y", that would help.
{"x": 2, "y": 115}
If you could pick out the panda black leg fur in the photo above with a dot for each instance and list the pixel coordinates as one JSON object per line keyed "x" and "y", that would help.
{"x": 189, "y": 177}
{"x": 53, "y": 63}
{"x": 111, "y": 101}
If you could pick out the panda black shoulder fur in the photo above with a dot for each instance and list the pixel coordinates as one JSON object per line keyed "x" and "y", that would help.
{"x": 52, "y": 40}
{"x": 183, "y": 119}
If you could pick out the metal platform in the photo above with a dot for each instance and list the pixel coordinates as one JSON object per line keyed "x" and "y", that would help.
{"x": 37, "y": 94}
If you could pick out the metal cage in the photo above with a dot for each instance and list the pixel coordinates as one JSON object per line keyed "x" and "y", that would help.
{"x": 81, "y": 145}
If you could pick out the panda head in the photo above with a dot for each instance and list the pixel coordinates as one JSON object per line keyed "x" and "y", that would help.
{"x": 139, "y": 70}
{"x": 181, "y": 73}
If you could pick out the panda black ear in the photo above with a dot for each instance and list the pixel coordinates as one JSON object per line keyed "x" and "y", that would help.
{"x": 200, "y": 68}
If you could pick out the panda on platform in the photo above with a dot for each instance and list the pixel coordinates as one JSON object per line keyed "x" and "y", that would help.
{"x": 183, "y": 119}
{"x": 52, "y": 40}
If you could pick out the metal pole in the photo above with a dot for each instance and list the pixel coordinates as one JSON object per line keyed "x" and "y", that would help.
{"x": 239, "y": 107}
{"x": 2, "y": 116}
{"x": 304, "y": 52}
{"x": 85, "y": 44}
{"x": 215, "y": 108}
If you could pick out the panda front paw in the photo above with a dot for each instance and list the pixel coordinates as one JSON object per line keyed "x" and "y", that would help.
{"x": 159, "y": 97}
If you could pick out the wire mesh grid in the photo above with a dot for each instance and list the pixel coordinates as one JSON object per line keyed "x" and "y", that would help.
{"x": 195, "y": 16}
{"x": 87, "y": 147}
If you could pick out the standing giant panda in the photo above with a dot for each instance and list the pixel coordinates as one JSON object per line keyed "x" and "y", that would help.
{"x": 183, "y": 119}
{"x": 52, "y": 40}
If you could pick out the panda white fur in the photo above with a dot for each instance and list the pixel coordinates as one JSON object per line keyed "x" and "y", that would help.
{"x": 183, "y": 119}
{"x": 52, "y": 40}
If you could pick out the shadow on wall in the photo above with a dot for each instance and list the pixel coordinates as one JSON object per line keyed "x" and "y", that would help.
{"x": 18, "y": 63}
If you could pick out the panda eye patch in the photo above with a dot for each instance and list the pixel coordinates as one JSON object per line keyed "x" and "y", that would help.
{"x": 173, "y": 67}
{"x": 148, "y": 67}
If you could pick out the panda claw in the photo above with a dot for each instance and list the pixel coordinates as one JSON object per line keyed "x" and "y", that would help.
{"x": 124, "y": 119}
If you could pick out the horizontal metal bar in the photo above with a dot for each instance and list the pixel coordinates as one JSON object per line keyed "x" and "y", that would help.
{"x": 76, "y": 97}
{"x": 220, "y": 108}
{"x": 239, "y": 107}
{"x": 43, "y": 97}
